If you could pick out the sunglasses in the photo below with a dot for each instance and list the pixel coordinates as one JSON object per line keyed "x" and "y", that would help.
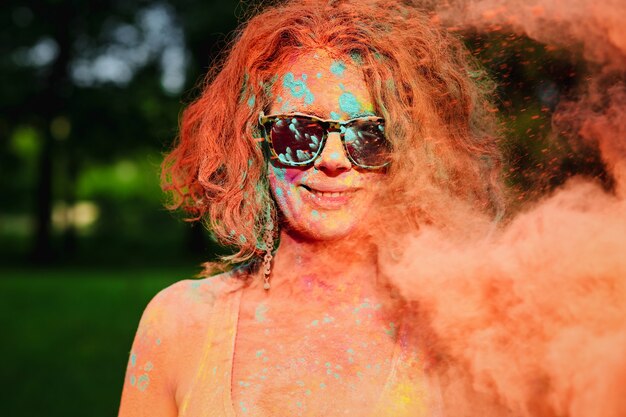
{"x": 298, "y": 139}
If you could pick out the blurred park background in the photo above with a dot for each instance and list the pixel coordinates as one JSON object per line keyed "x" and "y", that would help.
{"x": 90, "y": 100}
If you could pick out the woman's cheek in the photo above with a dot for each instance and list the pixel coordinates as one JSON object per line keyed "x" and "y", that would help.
{"x": 284, "y": 191}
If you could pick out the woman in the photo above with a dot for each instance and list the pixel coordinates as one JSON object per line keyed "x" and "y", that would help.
{"x": 331, "y": 129}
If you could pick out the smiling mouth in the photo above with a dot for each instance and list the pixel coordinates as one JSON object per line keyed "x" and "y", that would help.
{"x": 329, "y": 193}
{"x": 328, "y": 199}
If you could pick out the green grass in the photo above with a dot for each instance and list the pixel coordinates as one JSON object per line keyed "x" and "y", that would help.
{"x": 66, "y": 335}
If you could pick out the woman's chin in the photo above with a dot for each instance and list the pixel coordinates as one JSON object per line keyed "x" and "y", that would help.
{"x": 327, "y": 231}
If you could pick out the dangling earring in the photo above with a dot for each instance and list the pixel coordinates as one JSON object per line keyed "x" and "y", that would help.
{"x": 268, "y": 239}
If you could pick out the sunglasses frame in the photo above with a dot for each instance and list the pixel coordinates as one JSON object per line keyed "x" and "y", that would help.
{"x": 328, "y": 125}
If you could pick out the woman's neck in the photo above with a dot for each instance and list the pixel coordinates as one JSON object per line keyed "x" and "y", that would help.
{"x": 338, "y": 271}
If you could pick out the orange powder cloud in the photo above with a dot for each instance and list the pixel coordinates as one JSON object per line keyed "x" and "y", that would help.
{"x": 531, "y": 321}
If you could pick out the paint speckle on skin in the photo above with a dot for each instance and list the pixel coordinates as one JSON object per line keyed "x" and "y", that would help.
{"x": 348, "y": 103}
{"x": 242, "y": 239}
{"x": 133, "y": 359}
{"x": 251, "y": 101}
{"x": 318, "y": 75}
{"x": 298, "y": 88}
{"x": 143, "y": 382}
{"x": 315, "y": 214}
{"x": 363, "y": 305}
{"x": 260, "y": 353}
{"x": 158, "y": 342}
{"x": 259, "y": 313}
{"x": 243, "y": 407}
{"x": 279, "y": 99}
{"x": 391, "y": 331}
{"x": 133, "y": 380}
{"x": 328, "y": 319}
{"x": 315, "y": 322}
{"x": 148, "y": 366}
{"x": 299, "y": 404}
{"x": 307, "y": 392}
{"x": 335, "y": 115}
{"x": 322, "y": 385}
{"x": 300, "y": 383}
{"x": 334, "y": 155}
{"x": 338, "y": 68}
{"x": 244, "y": 384}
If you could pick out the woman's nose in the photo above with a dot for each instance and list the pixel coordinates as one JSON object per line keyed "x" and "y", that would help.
{"x": 333, "y": 159}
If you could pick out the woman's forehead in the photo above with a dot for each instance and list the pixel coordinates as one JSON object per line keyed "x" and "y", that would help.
{"x": 322, "y": 85}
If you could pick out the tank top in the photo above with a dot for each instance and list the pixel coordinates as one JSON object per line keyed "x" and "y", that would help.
{"x": 407, "y": 391}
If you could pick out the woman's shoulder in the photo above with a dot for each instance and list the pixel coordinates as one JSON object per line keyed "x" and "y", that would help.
{"x": 193, "y": 298}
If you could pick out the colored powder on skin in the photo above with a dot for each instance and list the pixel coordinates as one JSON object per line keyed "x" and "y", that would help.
{"x": 298, "y": 88}
{"x": 348, "y": 103}
{"x": 338, "y": 68}
{"x": 391, "y": 331}
{"x": 133, "y": 380}
{"x": 143, "y": 382}
{"x": 259, "y": 313}
{"x": 133, "y": 359}
{"x": 148, "y": 366}
{"x": 318, "y": 75}
{"x": 334, "y": 155}
{"x": 243, "y": 407}
{"x": 158, "y": 342}
{"x": 315, "y": 214}
{"x": 251, "y": 101}
{"x": 260, "y": 352}
{"x": 335, "y": 115}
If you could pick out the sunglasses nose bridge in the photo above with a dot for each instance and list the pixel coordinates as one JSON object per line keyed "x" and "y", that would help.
{"x": 333, "y": 157}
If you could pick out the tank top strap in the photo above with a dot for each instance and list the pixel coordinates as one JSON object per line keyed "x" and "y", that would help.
{"x": 410, "y": 390}
{"x": 210, "y": 392}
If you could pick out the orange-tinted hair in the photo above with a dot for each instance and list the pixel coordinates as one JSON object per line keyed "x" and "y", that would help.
{"x": 422, "y": 81}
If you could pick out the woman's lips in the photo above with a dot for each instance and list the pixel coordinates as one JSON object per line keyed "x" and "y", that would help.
{"x": 328, "y": 198}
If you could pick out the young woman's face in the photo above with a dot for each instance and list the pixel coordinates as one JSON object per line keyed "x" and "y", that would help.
{"x": 329, "y": 199}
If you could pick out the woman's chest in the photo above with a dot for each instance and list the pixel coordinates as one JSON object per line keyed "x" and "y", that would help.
{"x": 333, "y": 364}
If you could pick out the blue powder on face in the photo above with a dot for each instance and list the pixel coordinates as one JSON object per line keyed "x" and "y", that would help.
{"x": 338, "y": 68}
{"x": 349, "y": 104}
{"x": 298, "y": 88}
{"x": 319, "y": 75}
{"x": 334, "y": 115}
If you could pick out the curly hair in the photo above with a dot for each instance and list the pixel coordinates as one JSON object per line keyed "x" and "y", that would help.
{"x": 423, "y": 81}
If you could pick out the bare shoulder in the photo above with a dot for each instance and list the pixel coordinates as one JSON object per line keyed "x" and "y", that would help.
{"x": 172, "y": 324}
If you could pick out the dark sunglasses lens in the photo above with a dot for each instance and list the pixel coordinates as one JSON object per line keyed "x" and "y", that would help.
{"x": 296, "y": 140}
{"x": 367, "y": 145}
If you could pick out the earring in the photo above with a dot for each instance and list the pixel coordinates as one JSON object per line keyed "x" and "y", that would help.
{"x": 268, "y": 239}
